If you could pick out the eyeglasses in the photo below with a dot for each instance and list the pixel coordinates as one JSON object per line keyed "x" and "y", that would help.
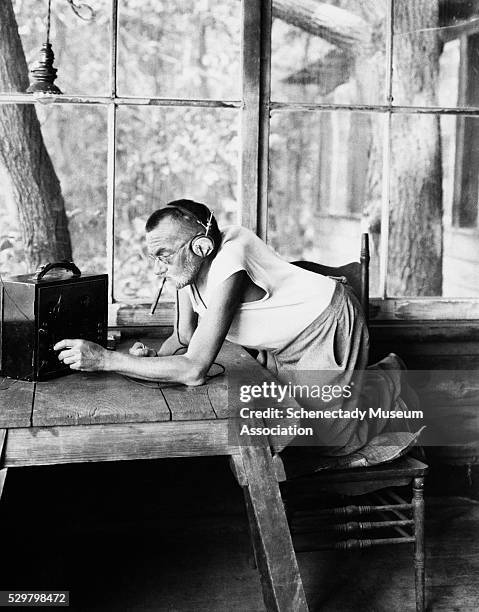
{"x": 164, "y": 259}
{"x": 167, "y": 259}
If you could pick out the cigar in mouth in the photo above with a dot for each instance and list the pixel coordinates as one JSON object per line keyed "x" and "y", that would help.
{"x": 157, "y": 297}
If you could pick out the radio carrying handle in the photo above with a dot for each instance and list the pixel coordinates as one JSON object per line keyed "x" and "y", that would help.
{"x": 65, "y": 265}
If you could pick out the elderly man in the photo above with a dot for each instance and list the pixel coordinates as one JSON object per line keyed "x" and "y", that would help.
{"x": 231, "y": 285}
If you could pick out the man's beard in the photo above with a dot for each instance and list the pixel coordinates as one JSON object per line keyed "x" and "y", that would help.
{"x": 190, "y": 268}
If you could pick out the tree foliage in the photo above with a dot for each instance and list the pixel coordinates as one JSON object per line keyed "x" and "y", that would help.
{"x": 184, "y": 50}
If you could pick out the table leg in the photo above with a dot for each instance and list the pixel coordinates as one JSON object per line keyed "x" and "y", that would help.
{"x": 3, "y": 475}
{"x": 3, "y": 471}
{"x": 275, "y": 557}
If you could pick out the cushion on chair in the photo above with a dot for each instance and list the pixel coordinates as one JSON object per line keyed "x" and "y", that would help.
{"x": 384, "y": 386}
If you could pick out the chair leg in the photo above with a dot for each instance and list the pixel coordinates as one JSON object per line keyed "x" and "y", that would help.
{"x": 418, "y": 515}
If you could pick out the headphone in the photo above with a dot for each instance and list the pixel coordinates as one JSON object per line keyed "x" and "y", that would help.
{"x": 202, "y": 244}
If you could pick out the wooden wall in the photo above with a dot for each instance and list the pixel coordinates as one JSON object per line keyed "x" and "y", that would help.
{"x": 450, "y": 350}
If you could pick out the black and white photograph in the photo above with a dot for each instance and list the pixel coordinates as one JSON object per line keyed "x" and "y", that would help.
{"x": 239, "y": 305}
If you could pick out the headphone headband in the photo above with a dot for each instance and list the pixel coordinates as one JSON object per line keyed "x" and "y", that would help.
{"x": 202, "y": 244}
{"x": 186, "y": 211}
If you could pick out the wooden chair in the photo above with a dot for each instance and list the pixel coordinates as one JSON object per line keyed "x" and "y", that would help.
{"x": 356, "y": 273}
{"x": 393, "y": 519}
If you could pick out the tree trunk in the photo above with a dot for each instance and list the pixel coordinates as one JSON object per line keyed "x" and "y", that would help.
{"x": 337, "y": 26}
{"x": 415, "y": 229}
{"x": 331, "y": 71}
{"x": 35, "y": 186}
{"x": 452, "y": 10}
{"x": 346, "y": 30}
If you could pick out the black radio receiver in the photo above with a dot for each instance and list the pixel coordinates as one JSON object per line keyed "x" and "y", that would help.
{"x": 37, "y": 311}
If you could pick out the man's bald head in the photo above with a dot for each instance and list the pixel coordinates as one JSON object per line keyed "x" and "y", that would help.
{"x": 174, "y": 219}
{"x": 184, "y": 219}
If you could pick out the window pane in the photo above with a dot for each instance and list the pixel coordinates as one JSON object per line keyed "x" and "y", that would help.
{"x": 434, "y": 189}
{"x": 325, "y": 186}
{"x": 81, "y": 46}
{"x": 166, "y": 154}
{"x": 335, "y": 53}
{"x": 436, "y": 53}
{"x": 75, "y": 138}
{"x": 187, "y": 49}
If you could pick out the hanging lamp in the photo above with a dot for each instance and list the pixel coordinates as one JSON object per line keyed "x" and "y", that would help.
{"x": 43, "y": 72}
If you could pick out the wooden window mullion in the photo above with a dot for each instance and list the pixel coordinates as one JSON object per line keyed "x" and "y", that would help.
{"x": 466, "y": 183}
{"x": 111, "y": 153}
{"x": 250, "y": 113}
{"x": 386, "y": 166}
{"x": 264, "y": 118}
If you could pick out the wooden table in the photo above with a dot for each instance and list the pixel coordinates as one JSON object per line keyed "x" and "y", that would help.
{"x": 106, "y": 417}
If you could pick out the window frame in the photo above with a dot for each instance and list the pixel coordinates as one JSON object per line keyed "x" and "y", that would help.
{"x": 465, "y": 210}
{"x": 385, "y": 308}
{"x": 256, "y": 108}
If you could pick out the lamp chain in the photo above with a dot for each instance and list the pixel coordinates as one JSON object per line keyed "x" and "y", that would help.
{"x": 43, "y": 72}
{"x": 48, "y": 20}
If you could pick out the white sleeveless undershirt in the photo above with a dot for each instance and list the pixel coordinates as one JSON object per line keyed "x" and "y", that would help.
{"x": 294, "y": 297}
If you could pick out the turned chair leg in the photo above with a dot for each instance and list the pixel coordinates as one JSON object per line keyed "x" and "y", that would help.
{"x": 418, "y": 515}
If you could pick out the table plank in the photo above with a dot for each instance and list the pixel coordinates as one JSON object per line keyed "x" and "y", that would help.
{"x": 234, "y": 357}
{"x": 189, "y": 403}
{"x": 53, "y": 445}
{"x": 241, "y": 369}
{"x": 16, "y": 402}
{"x": 209, "y": 401}
{"x": 86, "y": 398}
{"x": 219, "y": 397}
{"x": 99, "y": 398}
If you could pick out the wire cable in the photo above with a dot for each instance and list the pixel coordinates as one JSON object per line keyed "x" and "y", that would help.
{"x": 180, "y": 348}
{"x": 223, "y": 369}
{"x": 182, "y": 345}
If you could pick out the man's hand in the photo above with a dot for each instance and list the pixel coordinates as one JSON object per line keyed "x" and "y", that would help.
{"x": 140, "y": 350}
{"x": 82, "y": 355}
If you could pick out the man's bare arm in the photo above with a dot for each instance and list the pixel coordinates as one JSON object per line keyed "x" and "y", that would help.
{"x": 190, "y": 368}
{"x": 186, "y": 321}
